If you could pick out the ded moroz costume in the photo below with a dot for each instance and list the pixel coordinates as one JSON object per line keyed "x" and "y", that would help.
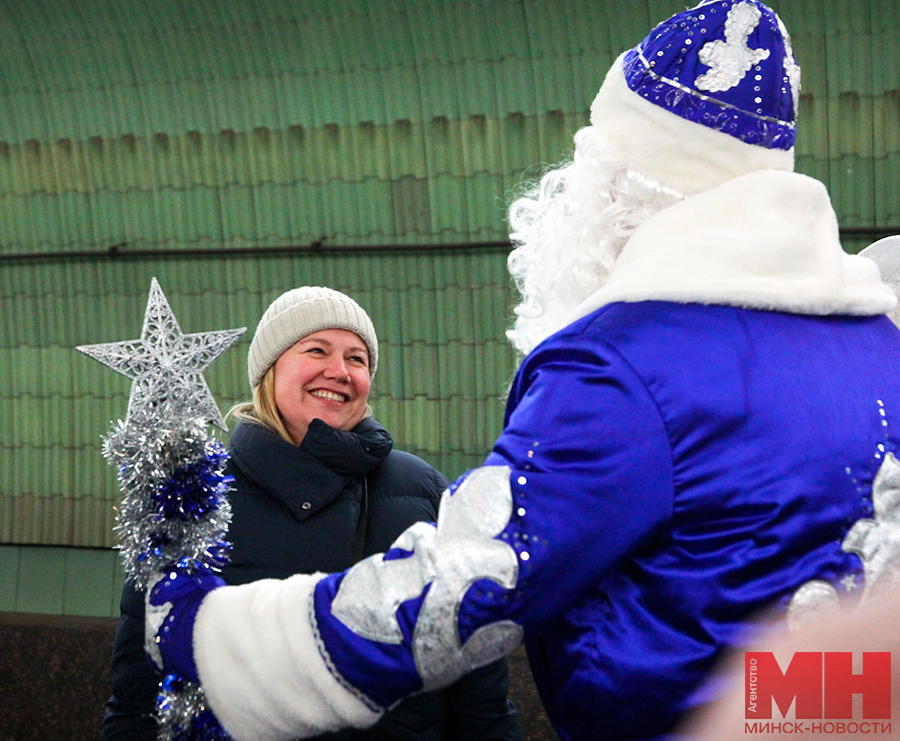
{"x": 708, "y": 395}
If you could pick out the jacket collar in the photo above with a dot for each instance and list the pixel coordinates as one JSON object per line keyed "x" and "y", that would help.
{"x": 311, "y": 476}
{"x": 358, "y": 451}
{"x": 766, "y": 240}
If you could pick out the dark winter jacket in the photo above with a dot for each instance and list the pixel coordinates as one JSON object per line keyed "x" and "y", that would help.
{"x": 297, "y": 510}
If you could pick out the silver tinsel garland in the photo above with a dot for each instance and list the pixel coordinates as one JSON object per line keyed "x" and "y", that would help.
{"x": 173, "y": 509}
{"x": 173, "y": 512}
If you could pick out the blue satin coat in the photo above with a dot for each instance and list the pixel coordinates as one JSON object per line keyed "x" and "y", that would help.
{"x": 676, "y": 469}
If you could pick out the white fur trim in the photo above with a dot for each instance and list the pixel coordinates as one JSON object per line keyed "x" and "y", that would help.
{"x": 261, "y": 669}
{"x": 686, "y": 156}
{"x": 767, "y": 240}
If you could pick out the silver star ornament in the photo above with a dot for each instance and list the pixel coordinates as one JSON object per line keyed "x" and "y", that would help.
{"x": 165, "y": 365}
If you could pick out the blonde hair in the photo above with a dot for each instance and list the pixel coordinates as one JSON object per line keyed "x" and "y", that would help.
{"x": 263, "y": 410}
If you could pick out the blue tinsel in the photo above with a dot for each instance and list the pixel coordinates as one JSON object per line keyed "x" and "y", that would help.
{"x": 194, "y": 489}
{"x": 202, "y": 726}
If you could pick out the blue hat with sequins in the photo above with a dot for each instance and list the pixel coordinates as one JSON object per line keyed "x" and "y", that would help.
{"x": 709, "y": 95}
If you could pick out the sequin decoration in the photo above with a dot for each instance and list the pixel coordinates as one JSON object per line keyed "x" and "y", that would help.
{"x": 791, "y": 68}
{"x": 730, "y": 60}
{"x": 728, "y": 67}
{"x": 460, "y": 551}
{"x": 876, "y": 541}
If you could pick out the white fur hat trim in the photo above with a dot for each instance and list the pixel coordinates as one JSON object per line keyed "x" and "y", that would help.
{"x": 684, "y": 155}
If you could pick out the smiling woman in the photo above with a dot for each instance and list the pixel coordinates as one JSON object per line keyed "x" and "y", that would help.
{"x": 317, "y": 487}
{"x": 322, "y": 347}
{"x": 323, "y": 376}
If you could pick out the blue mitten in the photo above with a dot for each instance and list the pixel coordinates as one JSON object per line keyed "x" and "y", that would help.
{"x": 171, "y": 609}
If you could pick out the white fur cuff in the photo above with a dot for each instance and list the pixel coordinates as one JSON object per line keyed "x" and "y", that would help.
{"x": 261, "y": 669}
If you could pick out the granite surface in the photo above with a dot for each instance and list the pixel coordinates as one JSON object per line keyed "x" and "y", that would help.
{"x": 54, "y": 676}
{"x": 54, "y": 680}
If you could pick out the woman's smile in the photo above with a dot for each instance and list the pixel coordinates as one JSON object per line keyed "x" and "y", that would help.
{"x": 323, "y": 376}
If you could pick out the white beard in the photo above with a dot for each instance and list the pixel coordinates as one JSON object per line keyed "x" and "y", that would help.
{"x": 569, "y": 230}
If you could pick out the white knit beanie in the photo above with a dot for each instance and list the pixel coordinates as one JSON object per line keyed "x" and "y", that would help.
{"x": 300, "y": 312}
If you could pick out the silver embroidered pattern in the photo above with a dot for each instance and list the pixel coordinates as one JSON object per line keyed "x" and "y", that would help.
{"x": 155, "y": 616}
{"x": 876, "y": 541}
{"x": 453, "y": 556}
{"x": 791, "y": 68}
{"x": 730, "y": 60}
{"x": 809, "y": 603}
{"x": 685, "y": 89}
{"x": 386, "y": 584}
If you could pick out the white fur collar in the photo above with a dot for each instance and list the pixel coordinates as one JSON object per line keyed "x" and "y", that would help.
{"x": 766, "y": 240}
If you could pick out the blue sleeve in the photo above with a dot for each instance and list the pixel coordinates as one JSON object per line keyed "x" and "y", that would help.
{"x": 591, "y": 471}
{"x": 579, "y": 479}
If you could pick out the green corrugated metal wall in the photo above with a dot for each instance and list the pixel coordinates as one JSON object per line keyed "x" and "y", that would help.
{"x": 212, "y": 126}
{"x": 208, "y": 124}
{"x": 440, "y": 318}
{"x": 60, "y": 581}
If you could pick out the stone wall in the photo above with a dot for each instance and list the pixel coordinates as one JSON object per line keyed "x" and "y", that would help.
{"x": 54, "y": 679}
{"x": 54, "y": 676}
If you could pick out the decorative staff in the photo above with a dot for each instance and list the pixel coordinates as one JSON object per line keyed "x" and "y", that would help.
{"x": 172, "y": 477}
